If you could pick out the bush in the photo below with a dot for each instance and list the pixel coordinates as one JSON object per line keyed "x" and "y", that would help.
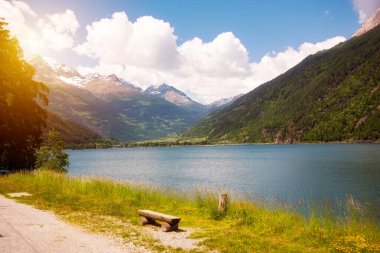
{"x": 51, "y": 155}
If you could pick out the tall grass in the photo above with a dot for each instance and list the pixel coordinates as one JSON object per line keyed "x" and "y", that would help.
{"x": 245, "y": 226}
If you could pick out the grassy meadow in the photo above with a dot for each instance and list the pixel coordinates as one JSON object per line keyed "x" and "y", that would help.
{"x": 102, "y": 205}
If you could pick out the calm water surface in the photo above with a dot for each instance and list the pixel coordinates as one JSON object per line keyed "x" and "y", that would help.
{"x": 314, "y": 172}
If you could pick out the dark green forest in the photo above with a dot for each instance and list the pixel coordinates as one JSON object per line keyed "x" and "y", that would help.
{"x": 74, "y": 135}
{"x": 331, "y": 96}
{"x": 22, "y": 116}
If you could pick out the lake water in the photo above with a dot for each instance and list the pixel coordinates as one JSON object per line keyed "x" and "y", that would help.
{"x": 313, "y": 172}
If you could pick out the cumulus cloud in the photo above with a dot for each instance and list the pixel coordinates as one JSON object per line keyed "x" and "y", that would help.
{"x": 145, "y": 52}
{"x": 24, "y": 7}
{"x": 274, "y": 64}
{"x": 148, "y": 42}
{"x": 225, "y": 56}
{"x": 365, "y": 8}
{"x": 55, "y": 31}
{"x": 58, "y": 29}
{"x": 16, "y": 14}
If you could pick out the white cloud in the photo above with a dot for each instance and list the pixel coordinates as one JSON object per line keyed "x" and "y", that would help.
{"x": 145, "y": 52}
{"x": 148, "y": 42}
{"x": 59, "y": 29}
{"x": 16, "y": 14}
{"x": 56, "y": 31}
{"x": 24, "y": 7}
{"x": 365, "y": 8}
{"x": 274, "y": 64}
{"x": 225, "y": 56}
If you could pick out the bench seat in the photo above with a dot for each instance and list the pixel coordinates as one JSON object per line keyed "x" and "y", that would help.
{"x": 170, "y": 223}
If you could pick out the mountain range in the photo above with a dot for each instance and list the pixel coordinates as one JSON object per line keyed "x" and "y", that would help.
{"x": 333, "y": 95}
{"x": 114, "y": 107}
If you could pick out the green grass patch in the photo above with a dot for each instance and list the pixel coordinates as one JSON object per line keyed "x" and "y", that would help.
{"x": 108, "y": 206}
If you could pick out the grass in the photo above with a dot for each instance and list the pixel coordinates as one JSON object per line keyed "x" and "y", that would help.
{"x": 110, "y": 206}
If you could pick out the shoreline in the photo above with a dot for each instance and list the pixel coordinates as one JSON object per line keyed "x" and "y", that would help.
{"x": 231, "y": 144}
{"x": 111, "y": 207}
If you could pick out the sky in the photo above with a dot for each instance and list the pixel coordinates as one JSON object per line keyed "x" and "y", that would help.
{"x": 207, "y": 48}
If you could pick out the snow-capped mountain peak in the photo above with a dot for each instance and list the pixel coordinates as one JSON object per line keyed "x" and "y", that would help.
{"x": 152, "y": 90}
{"x": 48, "y": 67}
{"x": 109, "y": 86}
{"x": 171, "y": 94}
{"x": 61, "y": 69}
{"x": 224, "y": 101}
{"x": 91, "y": 76}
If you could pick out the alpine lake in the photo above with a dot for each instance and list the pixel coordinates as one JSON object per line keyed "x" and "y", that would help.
{"x": 302, "y": 175}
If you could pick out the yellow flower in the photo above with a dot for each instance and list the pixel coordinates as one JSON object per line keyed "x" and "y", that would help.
{"x": 351, "y": 244}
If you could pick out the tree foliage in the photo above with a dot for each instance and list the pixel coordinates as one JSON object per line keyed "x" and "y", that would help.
{"x": 51, "y": 155}
{"x": 21, "y": 116}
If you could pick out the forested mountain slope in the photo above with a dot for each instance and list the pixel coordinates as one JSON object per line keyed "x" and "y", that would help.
{"x": 333, "y": 95}
{"x": 72, "y": 133}
{"x": 110, "y": 106}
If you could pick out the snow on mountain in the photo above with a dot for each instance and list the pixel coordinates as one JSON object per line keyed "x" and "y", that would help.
{"x": 110, "y": 86}
{"x": 221, "y": 101}
{"x": 48, "y": 68}
{"x": 91, "y": 76}
{"x": 172, "y": 95}
{"x": 61, "y": 69}
{"x": 94, "y": 82}
{"x": 370, "y": 23}
{"x": 224, "y": 101}
{"x": 76, "y": 81}
{"x": 152, "y": 91}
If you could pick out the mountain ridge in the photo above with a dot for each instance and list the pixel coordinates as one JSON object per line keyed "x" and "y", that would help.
{"x": 113, "y": 107}
{"x": 177, "y": 97}
{"x": 330, "y": 96}
{"x": 369, "y": 24}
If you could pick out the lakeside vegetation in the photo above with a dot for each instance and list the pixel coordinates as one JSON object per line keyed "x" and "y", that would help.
{"x": 111, "y": 206}
{"x": 170, "y": 141}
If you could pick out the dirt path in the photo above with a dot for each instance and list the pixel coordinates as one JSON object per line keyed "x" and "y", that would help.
{"x": 25, "y": 229}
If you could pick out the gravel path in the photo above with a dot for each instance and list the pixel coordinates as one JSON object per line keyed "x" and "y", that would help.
{"x": 176, "y": 239}
{"x": 24, "y": 229}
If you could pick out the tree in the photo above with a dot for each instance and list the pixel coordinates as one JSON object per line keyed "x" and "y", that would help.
{"x": 51, "y": 155}
{"x": 22, "y": 118}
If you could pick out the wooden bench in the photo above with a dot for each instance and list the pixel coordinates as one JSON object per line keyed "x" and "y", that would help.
{"x": 169, "y": 223}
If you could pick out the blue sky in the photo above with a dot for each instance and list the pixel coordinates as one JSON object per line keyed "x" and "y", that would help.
{"x": 262, "y": 26}
{"x": 207, "y": 48}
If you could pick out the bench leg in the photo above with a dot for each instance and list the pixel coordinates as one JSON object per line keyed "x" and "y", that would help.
{"x": 145, "y": 220}
{"x": 166, "y": 227}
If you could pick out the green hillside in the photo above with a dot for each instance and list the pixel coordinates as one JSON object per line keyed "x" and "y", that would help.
{"x": 113, "y": 111}
{"x": 77, "y": 136}
{"x": 333, "y": 95}
{"x": 129, "y": 119}
{"x": 72, "y": 133}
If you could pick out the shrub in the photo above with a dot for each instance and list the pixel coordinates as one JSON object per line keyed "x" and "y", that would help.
{"x": 51, "y": 155}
